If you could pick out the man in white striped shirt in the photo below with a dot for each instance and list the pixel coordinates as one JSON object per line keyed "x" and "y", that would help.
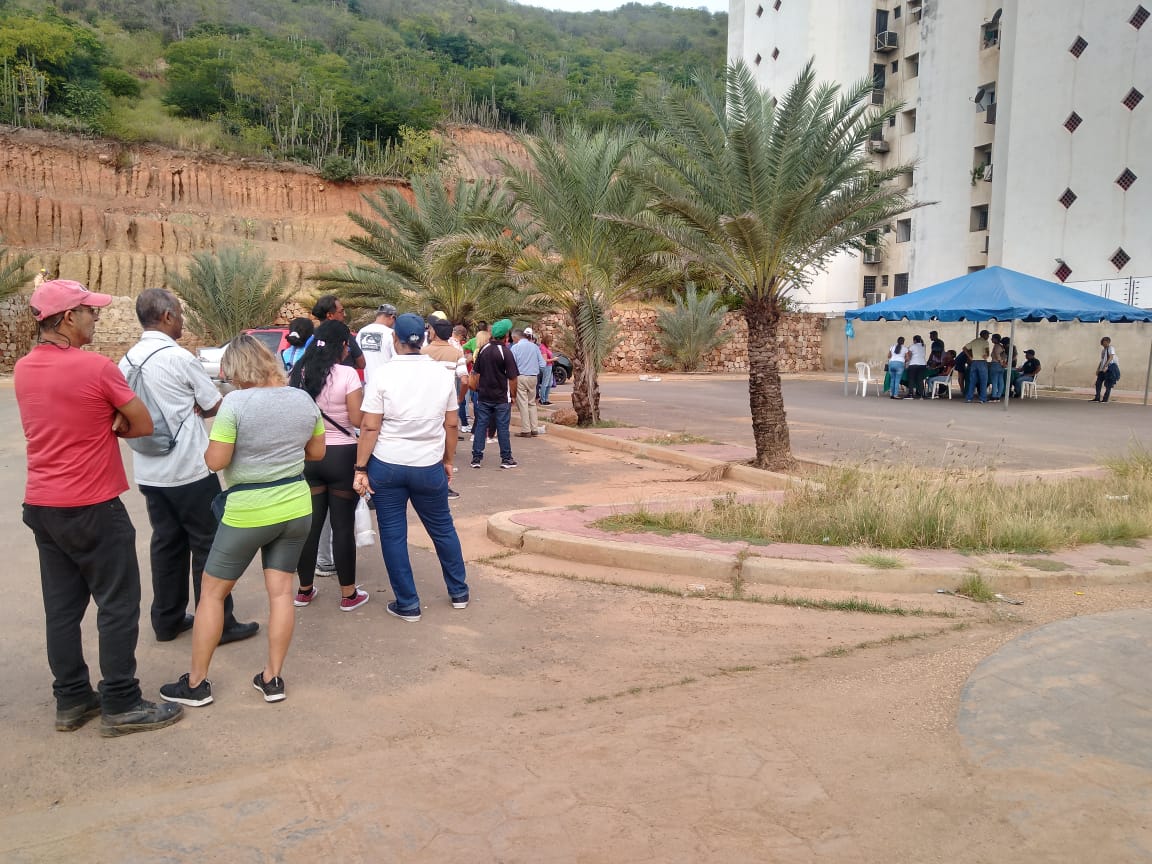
{"x": 177, "y": 486}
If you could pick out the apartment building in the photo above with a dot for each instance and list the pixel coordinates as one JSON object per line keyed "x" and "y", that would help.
{"x": 1029, "y": 122}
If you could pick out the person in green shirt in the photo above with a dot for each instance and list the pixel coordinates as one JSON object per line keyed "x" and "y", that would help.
{"x": 262, "y": 435}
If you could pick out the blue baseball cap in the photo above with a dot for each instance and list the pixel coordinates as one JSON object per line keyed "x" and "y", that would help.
{"x": 409, "y": 329}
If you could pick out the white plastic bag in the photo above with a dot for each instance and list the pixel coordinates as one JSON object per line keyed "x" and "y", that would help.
{"x": 365, "y": 536}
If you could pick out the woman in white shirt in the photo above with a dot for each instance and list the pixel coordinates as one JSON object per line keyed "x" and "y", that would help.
{"x": 897, "y": 356}
{"x": 338, "y": 394}
{"x": 917, "y": 367}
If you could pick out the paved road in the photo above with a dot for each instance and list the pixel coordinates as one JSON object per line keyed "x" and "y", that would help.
{"x": 1040, "y": 434}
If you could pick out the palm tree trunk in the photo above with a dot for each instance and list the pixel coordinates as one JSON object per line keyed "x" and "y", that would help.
{"x": 769, "y": 423}
{"x": 585, "y": 389}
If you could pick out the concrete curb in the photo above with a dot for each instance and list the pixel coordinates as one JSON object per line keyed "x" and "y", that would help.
{"x": 751, "y": 566}
{"x": 745, "y": 474}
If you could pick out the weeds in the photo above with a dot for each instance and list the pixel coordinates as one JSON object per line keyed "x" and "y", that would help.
{"x": 1114, "y": 562}
{"x": 850, "y": 506}
{"x": 879, "y": 562}
{"x": 1044, "y": 564}
{"x": 668, "y": 439}
{"x": 974, "y": 587}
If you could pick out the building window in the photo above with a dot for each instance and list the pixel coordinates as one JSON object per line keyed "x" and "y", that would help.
{"x": 759, "y": 11}
{"x": 1133, "y": 99}
{"x": 884, "y": 281}
{"x": 976, "y": 268}
{"x": 869, "y": 284}
{"x": 912, "y": 66}
{"x": 1073, "y": 122}
{"x": 903, "y": 230}
{"x": 1139, "y": 17}
{"x": 900, "y": 285}
{"x": 776, "y": 5}
{"x": 891, "y": 121}
{"x": 896, "y": 12}
{"x": 1125, "y": 180}
{"x": 1120, "y": 259}
{"x": 1063, "y": 272}
{"x": 775, "y": 53}
{"x": 758, "y": 59}
{"x": 895, "y": 66}
{"x": 1078, "y": 46}
{"x": 910, "y": 121}
{"x": 978, "y": 221}
{"x": 1068, "y": 198}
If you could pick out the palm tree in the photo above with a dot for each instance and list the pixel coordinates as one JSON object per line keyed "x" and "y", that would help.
{"x": 13, "y": 271}
{"x": 762, "y": 194}
{"x": 406, "y": 270}
{"x": 229, "y": 292}
{"x": 565, "y": 254}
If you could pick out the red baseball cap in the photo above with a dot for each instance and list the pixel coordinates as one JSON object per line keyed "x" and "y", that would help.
{"x": 60, "y": 295}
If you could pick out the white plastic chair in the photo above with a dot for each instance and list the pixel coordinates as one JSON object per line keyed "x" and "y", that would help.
{"x": 1028, "y": 390}
{"x": 864, "y": 378}
{"x": 935, "y": 382}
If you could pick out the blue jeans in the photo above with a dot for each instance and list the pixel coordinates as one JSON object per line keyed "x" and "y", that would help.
{"x": 977, "y": 380}
{"x": 502, "y": 411}
{"x": 996, "y": 379}
{"x": 545, "y": 384}
{"x": 393, "y": 486}
{"x": 462, "y": 409}
{"x": 895, "y": 373}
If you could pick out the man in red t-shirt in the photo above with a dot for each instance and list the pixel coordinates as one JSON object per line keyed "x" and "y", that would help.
{"x": 73, "y": 405}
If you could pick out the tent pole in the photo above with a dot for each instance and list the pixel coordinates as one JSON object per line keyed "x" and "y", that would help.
{"x": 1148, "y": 373}
{"x": 845, "y": 356}
{"x": 1008, "y": 365}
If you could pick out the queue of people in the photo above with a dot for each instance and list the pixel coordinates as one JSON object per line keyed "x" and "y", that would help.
{"x": 300, "y": 441}
{"x": 982, "y": 367}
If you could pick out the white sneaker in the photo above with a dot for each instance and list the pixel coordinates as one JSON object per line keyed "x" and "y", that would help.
{"x": 465, "y": 428}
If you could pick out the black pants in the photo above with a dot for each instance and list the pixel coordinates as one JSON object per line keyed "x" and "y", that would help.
{"x": 916, "y": 375}
{"x": 1106, "y": 379}
{"x": 333, "y": 476}
{"x": 182, "y": 530}
{"x": 89, "y": 553}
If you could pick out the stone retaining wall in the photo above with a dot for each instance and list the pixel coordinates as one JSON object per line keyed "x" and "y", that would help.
{"x": 801, "y": 337}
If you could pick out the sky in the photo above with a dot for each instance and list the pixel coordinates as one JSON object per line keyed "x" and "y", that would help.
{"x": 590, "y": 5}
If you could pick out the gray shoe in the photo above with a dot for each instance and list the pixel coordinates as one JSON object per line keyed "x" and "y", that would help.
{"x": 145, "y": 717}
{"x": 71, "y": 719}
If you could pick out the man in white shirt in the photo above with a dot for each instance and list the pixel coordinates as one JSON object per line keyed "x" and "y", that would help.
{"x": 177, "y": 486}
{"x": 375, "y": 340}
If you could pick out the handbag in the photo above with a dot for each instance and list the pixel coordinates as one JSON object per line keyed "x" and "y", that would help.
{"x": 221, "y": 500}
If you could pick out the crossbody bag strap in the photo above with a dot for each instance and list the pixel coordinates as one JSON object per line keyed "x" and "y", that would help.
{"x": 334, "y": 423}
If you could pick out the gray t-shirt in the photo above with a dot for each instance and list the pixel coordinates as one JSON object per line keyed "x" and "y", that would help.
{"x": 269, "y": 427}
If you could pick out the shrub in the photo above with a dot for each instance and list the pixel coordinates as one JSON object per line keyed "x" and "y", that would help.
{"x": 120, "y": 83}
{"x": 338, "y": 169}
{"x": 691, "y": 329}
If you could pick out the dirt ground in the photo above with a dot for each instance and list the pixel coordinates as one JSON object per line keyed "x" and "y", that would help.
{"x": 556, "y": 719}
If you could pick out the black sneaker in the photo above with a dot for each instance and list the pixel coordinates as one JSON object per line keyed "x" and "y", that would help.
{"x": 460, "y": 602}
{"x": 452, "y": 493}
{"x": 273, "y": 690}
{"x": 145, "y": 717}
{"x": 71, "y": 719}
{"x": 184, "y": 694}
{"x": 508, "y": 463}
{"x": 475, "y": 461}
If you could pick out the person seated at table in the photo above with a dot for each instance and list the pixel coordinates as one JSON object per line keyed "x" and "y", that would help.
{"x": 1027, "y": 372}
{"x": 942, "y": 374}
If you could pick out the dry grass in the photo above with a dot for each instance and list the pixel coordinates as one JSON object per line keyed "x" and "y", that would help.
{"x": 912, "y": 508}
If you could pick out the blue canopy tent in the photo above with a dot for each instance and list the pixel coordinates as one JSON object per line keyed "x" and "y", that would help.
{"x": 1003, "y": 295}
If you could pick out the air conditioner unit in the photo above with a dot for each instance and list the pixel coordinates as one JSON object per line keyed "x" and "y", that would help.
{"x": 878, "y": 145}
{"x": 873, "y": 255}
{"x": 887, "y": 41}
{"x": 869, "y": 298}
{"x": 988, "y": 172}
{"x": 881, "y": 296}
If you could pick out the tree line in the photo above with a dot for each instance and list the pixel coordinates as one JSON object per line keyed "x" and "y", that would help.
{"x": 339, "y": 79}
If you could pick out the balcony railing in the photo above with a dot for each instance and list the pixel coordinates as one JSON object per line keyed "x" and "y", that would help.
{"x": 887, "y": 41}
{"x": 878, "y": 97}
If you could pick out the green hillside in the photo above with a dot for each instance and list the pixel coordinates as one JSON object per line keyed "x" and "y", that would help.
{"x": 347, "y": 85}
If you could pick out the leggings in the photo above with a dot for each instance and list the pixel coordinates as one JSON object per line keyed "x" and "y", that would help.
{"x": 330, "y": 480}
